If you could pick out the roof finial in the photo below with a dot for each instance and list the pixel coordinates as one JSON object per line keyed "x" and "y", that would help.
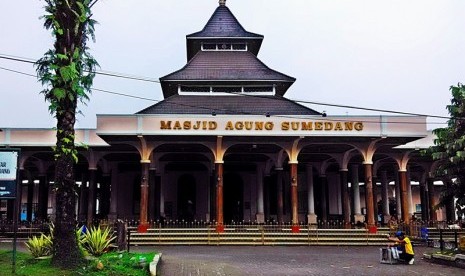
{"x": 222, "y": 2}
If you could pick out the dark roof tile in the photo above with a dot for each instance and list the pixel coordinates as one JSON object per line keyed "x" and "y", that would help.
{"x": 223, "y": 24}
{"x": 224, "y": 65}
{"x": 228, "y": 105}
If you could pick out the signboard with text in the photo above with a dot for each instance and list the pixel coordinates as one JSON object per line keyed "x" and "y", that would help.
{"x": 8, "y": 173}
{"x": 255, "y": 125}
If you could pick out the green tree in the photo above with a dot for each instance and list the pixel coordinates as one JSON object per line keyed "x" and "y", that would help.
{"x": 449, "y": 150}
{"x": 67, "y": 72}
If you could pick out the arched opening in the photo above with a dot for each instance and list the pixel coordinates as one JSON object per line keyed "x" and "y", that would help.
{"x": 187, "y": 197}
{"x": 233, "y": 202}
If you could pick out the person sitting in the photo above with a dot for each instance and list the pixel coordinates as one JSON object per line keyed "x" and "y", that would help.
{"x": 392, "y": 223}
{"x": 455, "y": 225}
{"x": 404, "y": 242}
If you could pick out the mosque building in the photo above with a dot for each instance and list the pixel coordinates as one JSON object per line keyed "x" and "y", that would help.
{"x": 225, "y": 145}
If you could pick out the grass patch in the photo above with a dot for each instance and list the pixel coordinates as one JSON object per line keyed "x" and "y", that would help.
{"x": 121, "y": 264}
{"x": 114, "y": 264}
{"x": 445, "y": 252}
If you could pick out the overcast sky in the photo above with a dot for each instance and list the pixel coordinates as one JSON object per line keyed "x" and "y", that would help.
{"x": 399, "y": 55}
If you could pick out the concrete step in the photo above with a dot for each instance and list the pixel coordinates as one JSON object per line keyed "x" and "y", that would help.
{"x": 256, "y": 236}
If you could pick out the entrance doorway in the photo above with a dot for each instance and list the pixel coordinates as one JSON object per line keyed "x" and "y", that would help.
{"x": 233, "y": 199}
{"x": 187, "y": 198}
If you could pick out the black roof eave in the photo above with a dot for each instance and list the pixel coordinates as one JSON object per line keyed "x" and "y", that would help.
{"x": 292, "y": 80}
{"x": 169, "y": 87}
{"x": 212, "y": 103}
{"x": 225, "y": 37}
{"x": 193, "y": 43}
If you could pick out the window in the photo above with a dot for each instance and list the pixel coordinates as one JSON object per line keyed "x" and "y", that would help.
{"x": 227, "y": 89}
{"x": 258, "y": 89}
{"x": 195, "y": 89}
{"x": 224, "y": 47}
{"x": 263, "y": 90}
{"x": 208, "y": 46}
{"x": 240, "y": 46}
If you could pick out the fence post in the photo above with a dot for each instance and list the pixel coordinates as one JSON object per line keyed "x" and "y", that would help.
{"x": 441, "y": 242}
{"x": 263, "y": 234}
{"x": 308, "y": 233}
{"x": 121, "y": 232}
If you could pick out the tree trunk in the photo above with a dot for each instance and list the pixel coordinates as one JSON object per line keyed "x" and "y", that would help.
{"x": 62, "y": 70}
{"x": 65, "y": 248}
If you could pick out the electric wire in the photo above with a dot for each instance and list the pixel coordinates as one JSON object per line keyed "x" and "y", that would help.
{"x": 340, "y": 119}
{"x": 18, "y": 72}
{"x": 98, "y": 72}
{"x": 351, "y": 107}
{"x": 224, "y": 110}
{"x": 113, "y": 74}
{"x": 132, "y": 77}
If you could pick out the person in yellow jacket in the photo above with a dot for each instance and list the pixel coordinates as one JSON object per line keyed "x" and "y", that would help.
{"x": 402, "y": 240}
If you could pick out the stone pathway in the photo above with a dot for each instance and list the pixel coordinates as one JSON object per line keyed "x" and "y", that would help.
{"x": 293, "y": 261}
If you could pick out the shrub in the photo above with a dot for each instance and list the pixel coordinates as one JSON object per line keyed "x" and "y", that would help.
{"x": 39, "y": 246}
{"x": 97, "y": 241}
{"x": 80, "y": 239}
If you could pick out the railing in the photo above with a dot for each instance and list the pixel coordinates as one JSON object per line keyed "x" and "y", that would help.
{"x": 321, "y": 224}
{"x": 415, "y": 229}
{"x": 256, "y": 234}
{"x": 25, "y": 229}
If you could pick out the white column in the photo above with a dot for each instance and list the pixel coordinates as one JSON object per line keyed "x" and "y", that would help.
{"x": 162, "y": 192}
{"x": 384, "y": 196}
{"x": 113, "y": 215}
{"x": 208, "y": 201}
{"x": 53, "y": 202}
{"x": 409, "y": 195}
{"x": 311, "y": 217}
{"x": 152, "y": 200}
{"x": 260, "y": 217}
{"x": 356, "y": 191}
{"x": 35, "y": 195}
{"x": 398, "y": 198}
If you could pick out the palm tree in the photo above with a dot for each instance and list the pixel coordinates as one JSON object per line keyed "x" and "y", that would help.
{"x": 67, "y": 72}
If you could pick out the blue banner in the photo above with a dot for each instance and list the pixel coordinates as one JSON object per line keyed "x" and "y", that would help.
{"x": 8, "y": 173}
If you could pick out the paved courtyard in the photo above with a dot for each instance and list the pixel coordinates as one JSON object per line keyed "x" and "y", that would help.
{"x": 301, "y": 260}
{"x": 283, "y": 260}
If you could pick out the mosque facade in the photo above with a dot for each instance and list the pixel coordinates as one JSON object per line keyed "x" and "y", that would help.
{"x": 225, "y": 145}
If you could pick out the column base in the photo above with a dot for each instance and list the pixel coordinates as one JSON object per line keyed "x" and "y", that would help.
{"x": 260, "y": 217}
{"x": 312, "y": 219}
{"x": 112, "y": 217}
{"x": 386, "y": 218}
{"x": 142, "y": 228}
{"x": 359, "y": 218}
{"x": 295, "y": 229}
